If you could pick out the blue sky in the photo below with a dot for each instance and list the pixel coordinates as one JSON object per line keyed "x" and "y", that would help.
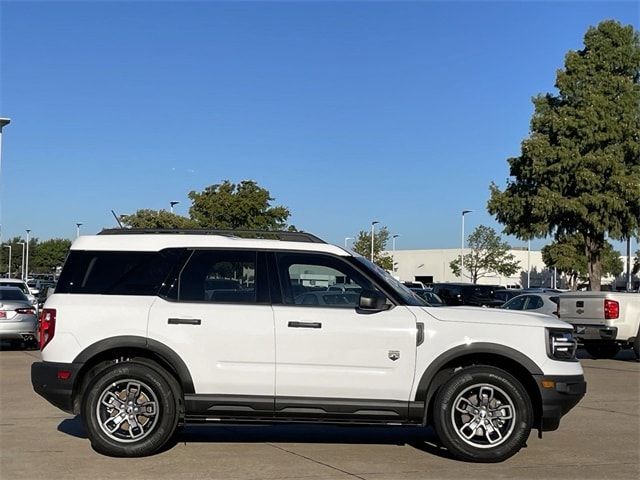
{"x": 347, "y": 112}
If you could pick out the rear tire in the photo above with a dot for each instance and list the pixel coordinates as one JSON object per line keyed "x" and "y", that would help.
{"x": 483, "y": 414}
{"x": 129, "y": 410}
{"x": 602, "y": 350}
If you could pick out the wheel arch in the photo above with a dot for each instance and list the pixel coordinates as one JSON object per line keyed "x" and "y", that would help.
{"x": 514, "y": 362}
{"x": 107, "y": 350}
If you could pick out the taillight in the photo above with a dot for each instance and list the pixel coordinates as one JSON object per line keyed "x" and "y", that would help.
{"x": 47, "y": 326}
{"x": 611, "y": 309}
{"x": 28, "y": 310}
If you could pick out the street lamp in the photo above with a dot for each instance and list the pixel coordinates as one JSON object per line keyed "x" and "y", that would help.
{"x": 26, "y": 263}
{"x": 464, "y": 212}
{"x": 173, "y": 204}
{"x": 22, "y": 262}
{"x": 78, "y": 225}
{"x": 3, "y": 123}
{"x": 9, "y": 270}
{"x": 373, "y": 231}
{"x": 393, "y": 254}
{"x": 529, "y": 263}
{"x": 346, "y": 241}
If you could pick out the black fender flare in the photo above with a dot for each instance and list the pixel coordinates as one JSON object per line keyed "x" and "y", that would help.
{"x": 167, "y": 354}
{"x": 424, "y": 391}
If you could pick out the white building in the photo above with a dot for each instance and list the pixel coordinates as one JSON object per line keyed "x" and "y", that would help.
{"x": 432, "y": 265}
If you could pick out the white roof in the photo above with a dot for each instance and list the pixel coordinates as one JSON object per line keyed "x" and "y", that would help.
{"x": 155, "y": 242}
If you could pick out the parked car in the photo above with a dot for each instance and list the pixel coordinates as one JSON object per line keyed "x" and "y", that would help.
{"x": 603, "y": 321}
{"x": 31, "y": 293}
{"x": 545, "y": 303}
{"x": 541, "y": 290}
{"x": 415, "y": 284}
{"x": 469, "y": 294}
{"x": 18, "y": 320}
{"x": 506, "y": 294}
{"x": 134, "y": 343}
{"x": 428, "y": 296}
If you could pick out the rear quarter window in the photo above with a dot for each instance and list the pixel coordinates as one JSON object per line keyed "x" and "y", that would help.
{"x": 116, "y": 273}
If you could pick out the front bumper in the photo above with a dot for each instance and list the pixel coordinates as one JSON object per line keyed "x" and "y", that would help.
{"x": 47, "y": 380}
{"x": 559, "y": 393}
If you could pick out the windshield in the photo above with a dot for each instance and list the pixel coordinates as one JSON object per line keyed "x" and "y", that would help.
{"x": 21, "y": 286}
{"x": 407, "y": 295}
{"x": 11, "y": 294}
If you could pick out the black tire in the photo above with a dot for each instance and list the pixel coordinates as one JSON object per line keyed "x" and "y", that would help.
{"x": 448, "y": 421}
{"x": 602, "y": 350}
{"x": 636, "y": 345}
{"x": 152, "y": 387}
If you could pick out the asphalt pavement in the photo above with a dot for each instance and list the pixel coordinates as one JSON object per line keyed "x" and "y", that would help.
{"x": 599, "y": 439}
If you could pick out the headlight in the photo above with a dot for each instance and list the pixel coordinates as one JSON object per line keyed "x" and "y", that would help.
{"x": 561, "y": 345}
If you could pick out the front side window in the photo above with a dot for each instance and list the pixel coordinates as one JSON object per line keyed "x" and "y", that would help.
{"x": 219, "y": 276}
{"x": 319, "y": 280}
{"x": 516, "y": 303}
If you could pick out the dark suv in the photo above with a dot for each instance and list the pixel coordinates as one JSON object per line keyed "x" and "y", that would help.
{"x": 470, "y": 294}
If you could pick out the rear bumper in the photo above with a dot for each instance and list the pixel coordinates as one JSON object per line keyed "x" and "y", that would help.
{"x": 594, "y": 332}
{"x": 18, "y": 328}
{"x": 561, "y": 394}
{"x": 47, "y": 384}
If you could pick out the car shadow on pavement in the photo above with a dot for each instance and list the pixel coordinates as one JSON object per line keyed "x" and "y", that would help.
{"x": 15, "y": 345}
{"x": 626, "y": 355}
{"x": 423, "y": 439}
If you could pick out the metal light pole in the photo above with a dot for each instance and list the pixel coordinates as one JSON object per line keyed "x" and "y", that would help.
{"x": 464, "y": 212}
{"x": 173, "y": 204}
{"x": 629, "y": 263}
{"x": 393, "y": 254}
{"x": 346, "y": 241}
{"x": 9, "y": 269}
{"x": 529, "y": 263}
{"x": 78, "y": 225}
{"x": 26, "y": 262}
{"x": 373, "y": 232}
{"x": 3, "y": 123}
{"x": 22, "y": 263}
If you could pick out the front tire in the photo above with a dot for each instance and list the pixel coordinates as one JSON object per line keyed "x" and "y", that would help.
{"x": 483, "y": 414}
{"x": 129, "y": 410}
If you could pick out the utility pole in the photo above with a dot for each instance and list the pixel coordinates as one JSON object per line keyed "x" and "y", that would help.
{"x": 373, "y": 238}
{"x": 26, "y": 263}
{"x": 464, "y": 212}
{"x": 9, "y": 269}
{"x": 393, "y": 254}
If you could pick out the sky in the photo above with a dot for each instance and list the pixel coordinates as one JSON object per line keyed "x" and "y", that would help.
{"x": 347, "y": 112}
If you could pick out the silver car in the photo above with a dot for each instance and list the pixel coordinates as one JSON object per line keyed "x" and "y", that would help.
{"x": 18, "y": 320}
{"x": 546, "y": 303}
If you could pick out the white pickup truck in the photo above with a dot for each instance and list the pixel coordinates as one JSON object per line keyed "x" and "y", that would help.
{"x": 603, "y": 321}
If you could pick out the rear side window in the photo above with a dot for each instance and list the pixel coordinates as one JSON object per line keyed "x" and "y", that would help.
{"x": 219, "y": 276}
{"x": 116, "y": 273}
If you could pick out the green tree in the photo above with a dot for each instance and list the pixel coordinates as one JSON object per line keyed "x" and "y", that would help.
{"x": 579, "y": 170}
{"x": 488, "y": 255}
{"x": 146, "y": 218}
{"x": 362, "y": 245}
{"x": 16, "y": 257}
{"x": 245, "y": 205}
{"x": 47, "y": 255}
{"x": 567, "y": 255}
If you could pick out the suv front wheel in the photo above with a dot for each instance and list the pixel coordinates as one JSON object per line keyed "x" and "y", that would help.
{"x": 483, "y": 414}
{"x": 129, "y": 410}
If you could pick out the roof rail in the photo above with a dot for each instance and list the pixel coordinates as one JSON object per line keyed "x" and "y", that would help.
{"x": 262, "y": 234}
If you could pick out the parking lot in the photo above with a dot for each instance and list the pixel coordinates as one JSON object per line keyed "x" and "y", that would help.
{"x": 598, "y": 439}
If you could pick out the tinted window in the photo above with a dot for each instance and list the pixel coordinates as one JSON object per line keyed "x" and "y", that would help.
{"x": 516, "y": 303}
{"x": 21, "y": 286}
{"x": 219, "y": 276}
{"x": 116, "y": 273}
{"x": 309, "y": 279}
{"x": 12, "y": 294}
{"x": 534, "y": 302}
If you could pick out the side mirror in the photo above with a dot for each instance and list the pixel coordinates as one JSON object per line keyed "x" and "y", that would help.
{"x": 372, "y": 301}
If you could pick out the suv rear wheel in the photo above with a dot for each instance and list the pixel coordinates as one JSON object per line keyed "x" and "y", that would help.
{"x": 129, "y": 410}
{"x": 483, "y": 414}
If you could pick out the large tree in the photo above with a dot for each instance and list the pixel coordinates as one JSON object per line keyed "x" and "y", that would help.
{"x": 579, "y": 170}
{"x": 567, "y": 255}
{"x": 245, "y": 205}
{"x": 146, "y": 218}
{"x": 362, "y": 245}
{"x": 489, "y": 255}
{"x": 48, "y": 255}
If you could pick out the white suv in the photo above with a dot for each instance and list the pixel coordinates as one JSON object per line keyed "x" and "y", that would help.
{"x": 150, "y": 330}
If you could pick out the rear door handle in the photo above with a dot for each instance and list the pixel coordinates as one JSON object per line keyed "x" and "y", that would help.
{"x": 304, "y": 325}
{"x": 184, "y": 321}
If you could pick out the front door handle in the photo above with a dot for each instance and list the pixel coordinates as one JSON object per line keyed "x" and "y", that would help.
{"x": 184, "y": 321}
{"x": 304, "y": 325}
